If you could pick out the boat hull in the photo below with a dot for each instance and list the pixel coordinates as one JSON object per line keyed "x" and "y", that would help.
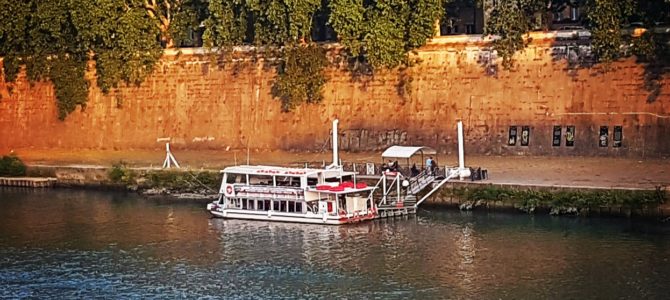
{"x": 293, "y": 218}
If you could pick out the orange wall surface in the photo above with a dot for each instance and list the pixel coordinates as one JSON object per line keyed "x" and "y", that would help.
{"x": 199, "y": 105}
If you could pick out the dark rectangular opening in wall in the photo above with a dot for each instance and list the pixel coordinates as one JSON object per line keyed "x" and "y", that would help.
{"x": 604, "y": 133}
{"x": 525, "y": 135}
{"x": 556, "y": 141}
{"x": 512, "y": 136}
{"x": 618, "y": 136}
{"x": 570, "y": 136}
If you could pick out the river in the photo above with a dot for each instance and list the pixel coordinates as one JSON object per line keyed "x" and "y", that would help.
{"x": 88, "y": 244}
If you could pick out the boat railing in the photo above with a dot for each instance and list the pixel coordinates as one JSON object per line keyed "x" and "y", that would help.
{"x": 371, "y": 195}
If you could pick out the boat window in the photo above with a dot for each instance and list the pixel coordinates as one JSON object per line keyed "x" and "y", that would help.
{"x": 266, "y": 205}
{"x": 298, "y": 207}
{"x": 288, "y": 181}
{"x": 332, "y": 179}
{"x": 283, "y": 205}
{"x": 260, "y": 180}
{"x": 261, "y": 205}
{"x": 275, "y": 205}
{"x": 291, "y": 206}
{"x": 235, "y": 178}
{"x": 312, "y": 181}
{"x": 244, "y": 203}
{"x": 251, "y": 205}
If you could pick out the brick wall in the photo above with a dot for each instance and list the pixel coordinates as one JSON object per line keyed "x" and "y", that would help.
{"x": 196, "y": 104}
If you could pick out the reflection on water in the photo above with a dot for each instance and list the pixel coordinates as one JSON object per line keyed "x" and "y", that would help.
{"x": 82, "y": 244}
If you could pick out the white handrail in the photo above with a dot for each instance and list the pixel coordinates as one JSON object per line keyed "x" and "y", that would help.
{"x": 453, "y": 175}
{"x": 374, "y": 189}
{"x": 390, "y": 186}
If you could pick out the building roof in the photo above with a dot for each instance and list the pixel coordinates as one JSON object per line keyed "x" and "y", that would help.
{"x": 406, "y": 151}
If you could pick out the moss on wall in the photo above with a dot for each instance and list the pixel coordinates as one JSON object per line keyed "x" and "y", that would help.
{"x": 557, "y": 201}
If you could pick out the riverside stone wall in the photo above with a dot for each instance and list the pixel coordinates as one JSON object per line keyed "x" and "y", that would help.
{"x": 197, "y": 104}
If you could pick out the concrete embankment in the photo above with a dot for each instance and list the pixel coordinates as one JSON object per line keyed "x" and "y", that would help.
{"x": 465, "y": 195}
{"x": 554, "y": 199}
{"x": 181, "y": 183}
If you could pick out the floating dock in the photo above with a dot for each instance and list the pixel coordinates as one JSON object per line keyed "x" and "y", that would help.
{"x": 31, "y": 182}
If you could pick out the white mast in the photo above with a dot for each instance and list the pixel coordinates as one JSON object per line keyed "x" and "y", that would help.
{"x": 462, "y": 171}
{"x": 336, "y": 160}
{"x": 461, "y": 158}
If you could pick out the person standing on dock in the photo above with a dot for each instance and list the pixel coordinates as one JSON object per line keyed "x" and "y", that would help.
{"x": 429, "y": 164}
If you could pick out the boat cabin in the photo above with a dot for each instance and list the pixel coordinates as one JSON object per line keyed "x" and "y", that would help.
{"x": 280, "y": 191}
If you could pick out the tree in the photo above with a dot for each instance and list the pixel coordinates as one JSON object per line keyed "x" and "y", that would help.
{"x": 604, "y": 19}
{"x": 278, "y": 28}
{"x": 509, "y": 22}
{"x": 382, "y": 33}
{"x": 55, "y": 39}
{"x": 173, "y": 18}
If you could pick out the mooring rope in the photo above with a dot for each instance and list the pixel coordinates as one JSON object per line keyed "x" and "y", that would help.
{"x": 202, "y": 184}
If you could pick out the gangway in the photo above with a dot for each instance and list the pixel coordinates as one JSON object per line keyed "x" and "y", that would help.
{"x": 399, "y": 197}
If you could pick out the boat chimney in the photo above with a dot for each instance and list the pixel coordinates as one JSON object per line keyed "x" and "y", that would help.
{"x": 336, "y": 160}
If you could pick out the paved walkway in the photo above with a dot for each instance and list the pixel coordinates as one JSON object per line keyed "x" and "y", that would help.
{"x": 531, "y": 170}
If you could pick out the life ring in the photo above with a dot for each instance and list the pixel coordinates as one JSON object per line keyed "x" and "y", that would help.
{"x": 229, "y": 190}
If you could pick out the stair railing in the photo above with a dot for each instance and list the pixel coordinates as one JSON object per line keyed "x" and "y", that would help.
{"x": 437, "y": 187}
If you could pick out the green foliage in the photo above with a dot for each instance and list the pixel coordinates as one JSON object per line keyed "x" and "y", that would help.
{"x": 652, "y": 49}
{"x": 189, "y": 17}
{"x": 275, "y": 25}
{"x": 67, "y": 76}
{"x": 300, "y": 76}
{"x": 423, "y": 15}
{"x": 172, "y": 18}
{"x": 11, "y": 165}
{"x": 226, "y": 25}
{"x": 123, "y": 40}
{"x": 509, "y": 21}
{"x": 273, "y": 22}
{"x": 382, "y": 33}
{"x": 182, "y": 181}
{"x": 604, "y": 19}
{"x": 577, "y": 200}
{"x": 177, "y": 181}
{"x": 119, "y": 173}
{"x": 348, "y": 18}
{"x": 54, "y": 40}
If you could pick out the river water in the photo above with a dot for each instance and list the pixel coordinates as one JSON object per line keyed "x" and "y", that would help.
{"x": 88, "y": 244}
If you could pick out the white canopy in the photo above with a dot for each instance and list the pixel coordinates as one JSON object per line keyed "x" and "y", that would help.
{"x": 406, "y": 151}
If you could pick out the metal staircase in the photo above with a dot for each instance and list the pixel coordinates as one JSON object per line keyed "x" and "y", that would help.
{"x": 394, "y": 203}
{"x": 420, "y": 182}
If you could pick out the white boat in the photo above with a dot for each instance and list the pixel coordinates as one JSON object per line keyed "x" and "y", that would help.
{"x": 323, "y": 196}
